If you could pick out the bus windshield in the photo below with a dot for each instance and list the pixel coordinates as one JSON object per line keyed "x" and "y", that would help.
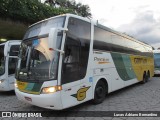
{"x": 157, "y": 60}
{"x": 36, "y": 61}
{"x": 2, "y": 60}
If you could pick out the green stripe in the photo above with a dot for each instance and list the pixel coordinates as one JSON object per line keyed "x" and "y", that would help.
{"x": 33, "y": 87}
{"x": 123, "y": 66}
{"x": 37, "y": 87}
{"x": 29, "y": 86}
{"x": 128, "y": 66}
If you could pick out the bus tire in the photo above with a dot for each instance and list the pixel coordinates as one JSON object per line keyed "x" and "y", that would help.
{"x": 145, "y": 78}
{"x": 100, "y": 92}
{"x": 148, "y": 75}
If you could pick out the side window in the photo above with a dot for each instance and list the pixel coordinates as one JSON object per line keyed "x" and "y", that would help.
{"x": 72, "y": 51}
{"x": 2, "y": 60}
{"x": 71, "y": 61}
{"x": 76, "y": 49}
{"x": 12, "y": 65}
{"x": 14, "y": 50}
{"x": 118, "y": 43}
{"x": 102, "y": 39}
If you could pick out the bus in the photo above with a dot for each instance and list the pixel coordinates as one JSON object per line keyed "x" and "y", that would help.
{"x": 67, "y": 60}
{"x": 156, "y": 62}
{"x": 8, "y": 58}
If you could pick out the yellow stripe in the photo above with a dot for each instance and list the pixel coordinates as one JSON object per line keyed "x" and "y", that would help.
{"x": 23, "y": 85}
{"x": 141, "y": 64}
{"x": 103, "y": 62}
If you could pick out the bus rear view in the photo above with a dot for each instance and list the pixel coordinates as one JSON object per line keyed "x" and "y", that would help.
{"x": 156, "y": 62}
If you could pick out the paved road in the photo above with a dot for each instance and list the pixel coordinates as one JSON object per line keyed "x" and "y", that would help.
{"x": 138, "y": 97}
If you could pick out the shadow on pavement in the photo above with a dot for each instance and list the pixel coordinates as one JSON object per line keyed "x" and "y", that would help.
{"x": 7, "y": 93}
{"x": 156, "y": 76}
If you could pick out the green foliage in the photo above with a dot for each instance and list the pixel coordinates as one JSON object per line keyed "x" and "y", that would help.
{"x": 77, "y": 8}
{"x": 28, "y": 11}
{"x": 12, "y": 30}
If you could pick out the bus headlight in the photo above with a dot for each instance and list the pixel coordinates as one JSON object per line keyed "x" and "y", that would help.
{"x": 1, "y": 81}
{"x": 15, "y": 85}
{"x": 51, "y": 89}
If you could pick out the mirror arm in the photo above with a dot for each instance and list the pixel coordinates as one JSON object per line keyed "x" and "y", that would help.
{"x": 61, "y": 51}
{"x": 64, "y": 29}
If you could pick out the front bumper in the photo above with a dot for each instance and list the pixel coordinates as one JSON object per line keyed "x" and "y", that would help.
{"x": 157, "y": 72}
{"x": 49, "y": 101}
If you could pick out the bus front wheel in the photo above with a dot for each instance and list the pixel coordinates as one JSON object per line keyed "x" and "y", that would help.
{"x": 99, "y": 93}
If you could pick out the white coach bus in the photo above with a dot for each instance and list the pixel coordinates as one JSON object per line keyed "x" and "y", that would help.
{"x": 8, "y": 58}
{"x": 67, "y": 60}
{"x": 156, "y": 62}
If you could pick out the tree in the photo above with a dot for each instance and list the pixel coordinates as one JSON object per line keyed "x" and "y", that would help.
{"x": 17, "y": 15}
{"x": 83, "y": 10}
{"x": 50, "y": 2}
{"x": 28, "y": 11}
{"x": 79, "y": 9}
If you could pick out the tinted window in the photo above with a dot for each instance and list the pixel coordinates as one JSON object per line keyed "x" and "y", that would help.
{"x": 14, "y": 50}
{"x": 102, "y": 39}
{"x": 157, "y": 60}
{"x": 2, "y": 60}
{"x": 77, "y": 44}
{"x": 119, "y": 44}
{"x": 109, "y": 41}
{"x": 12, "y": 65}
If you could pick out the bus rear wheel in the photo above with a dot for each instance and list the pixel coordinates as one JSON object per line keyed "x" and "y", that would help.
{"x": 100, "y": 92}
{"x": 145, "y": 78}
{"x": 148, "y": 75}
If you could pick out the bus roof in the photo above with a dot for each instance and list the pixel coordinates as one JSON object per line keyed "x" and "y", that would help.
{"x": 11, "y": 41}
{"x": 98, "y": 25}
{"x": 69, "y": 15}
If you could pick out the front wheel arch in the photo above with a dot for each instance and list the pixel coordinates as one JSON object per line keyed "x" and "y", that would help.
{"x": 101, "y": 88}
{"x": 144, "y": 78}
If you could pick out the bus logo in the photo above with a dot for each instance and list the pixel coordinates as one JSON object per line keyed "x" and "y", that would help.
{"x": 81, "y": 94}
{"x": 101, "y": 60}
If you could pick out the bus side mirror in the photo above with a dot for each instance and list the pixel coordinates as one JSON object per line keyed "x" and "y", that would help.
{"x": 52, "y": 39}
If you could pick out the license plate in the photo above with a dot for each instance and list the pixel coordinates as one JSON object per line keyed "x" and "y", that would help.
{"x": 28, "y": 99}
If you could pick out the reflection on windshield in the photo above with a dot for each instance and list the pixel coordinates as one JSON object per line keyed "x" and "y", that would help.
{"x": 157, "y": 60}
{"x": 2, "y": 60}
{"x": 37, "y": 61}
{"x": 44, "y": 27}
